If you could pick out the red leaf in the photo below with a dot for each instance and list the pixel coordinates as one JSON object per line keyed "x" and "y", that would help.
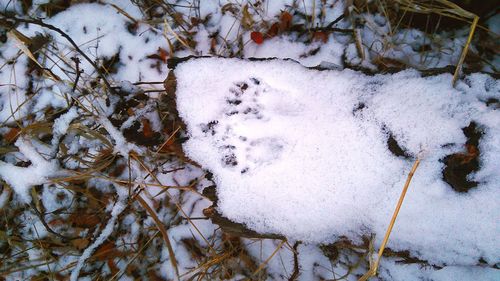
{"x": 257, "y": 37}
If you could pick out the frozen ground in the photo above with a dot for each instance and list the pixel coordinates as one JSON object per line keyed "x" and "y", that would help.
{"x": 292, "y": 150}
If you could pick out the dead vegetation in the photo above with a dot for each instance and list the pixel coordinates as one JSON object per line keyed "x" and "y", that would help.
{"x": 98, "y": 166}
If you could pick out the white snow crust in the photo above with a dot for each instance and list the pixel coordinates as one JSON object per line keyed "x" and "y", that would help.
{"x": 304, "y": 153}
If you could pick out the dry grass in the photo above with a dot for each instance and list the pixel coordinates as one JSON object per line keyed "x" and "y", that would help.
{"x": 431, "y": 17}
{"x": 374, "y": 264}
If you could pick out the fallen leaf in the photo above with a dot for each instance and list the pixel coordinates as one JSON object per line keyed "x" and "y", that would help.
{"x": 56, "y": 222}
{"x": 166, "y": 147}
{"x": 80, "y": 243}
{"x": 320, "y": 36}
{"x": 153, "y": 276}
{"x": 130, "y": 111}
{"x": 112, "y": 266}
{"x": 106, "y": 251}
{"x": 84, "y": 220}
{"x": 117, "y": 171}
{"x": 273, "y": 30}
{"x": 285, "y": 21}
{"x": 213, "y": 44}
{"x": 161, "y": 55}
{"x": 146, "y": 128}
{"x": 195, "y": 21}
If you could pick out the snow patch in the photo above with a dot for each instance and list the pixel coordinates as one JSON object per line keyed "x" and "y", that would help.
{"x": 21, "y": 179}
{"x": 305, "y": 153}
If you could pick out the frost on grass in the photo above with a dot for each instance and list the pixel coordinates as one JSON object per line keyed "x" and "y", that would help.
{"x": 316, "y": 155}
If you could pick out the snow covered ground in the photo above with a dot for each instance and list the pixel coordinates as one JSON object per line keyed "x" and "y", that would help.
{"x": 294, "y": 151}
{"x": 304, "y": 153}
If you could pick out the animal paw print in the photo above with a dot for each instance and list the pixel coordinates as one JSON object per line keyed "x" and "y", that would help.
{"x": 264, "y": 151}
{"x": 210, "y": 127}
{"x": 229, "y": 158}
{"x": 246, "y": 100}
{"x": 243, "y": 99}
{"x": 248, "y": 155}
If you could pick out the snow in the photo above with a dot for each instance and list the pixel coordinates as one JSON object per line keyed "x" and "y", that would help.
{"x": 391, "y": 270}
{"x": 54, "y": 198}
{"x": 62, "y": 123}
{"x": 121, "y": 145}
{"x": 101, "y": 32}
{"x": 283, "y": 47}
{"x": 11, "y": 6}
{"x": 13, "y": 84}
{"x": 293, "y": 152}
{"x": 22, "y": 179}
{"x": 61, "y": 126}
{"x": 33, "y": 229}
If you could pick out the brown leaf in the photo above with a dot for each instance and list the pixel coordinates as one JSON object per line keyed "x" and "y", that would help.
{"x": 81, "y": 219}
{"x": 130, "y": 111}
{"x": 285, "y": 21}
{"x": 80, "y": 243}
{"x": 273, "y": 30}
{"x": 56, "y": 222}
{"x": 106, "y": 251}
{"x": 118, "y": 170}
{"x": 472, "y": 151}
{"x": 320, "y": 36}
{"x": 195, "y": 21}
{"x": 161, "y": 55}
{"x": 213, "y": 44}
{"x": 112, "y": 266}
{"x": 166, "y": 147}
{"x": 209, "y": 212}
{"x": 153, "y": 276}
{"x": 146, "y": 128}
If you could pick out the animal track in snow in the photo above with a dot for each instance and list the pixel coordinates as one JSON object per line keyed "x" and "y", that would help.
{"x": 248, "y": 104}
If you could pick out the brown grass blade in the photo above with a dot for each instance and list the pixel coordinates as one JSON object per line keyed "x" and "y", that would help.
{"x": 374, "y": 267}
{"x": 163, "y": 232}
{"x": 465, "y": 50}
{"x": 262, "y": 265}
